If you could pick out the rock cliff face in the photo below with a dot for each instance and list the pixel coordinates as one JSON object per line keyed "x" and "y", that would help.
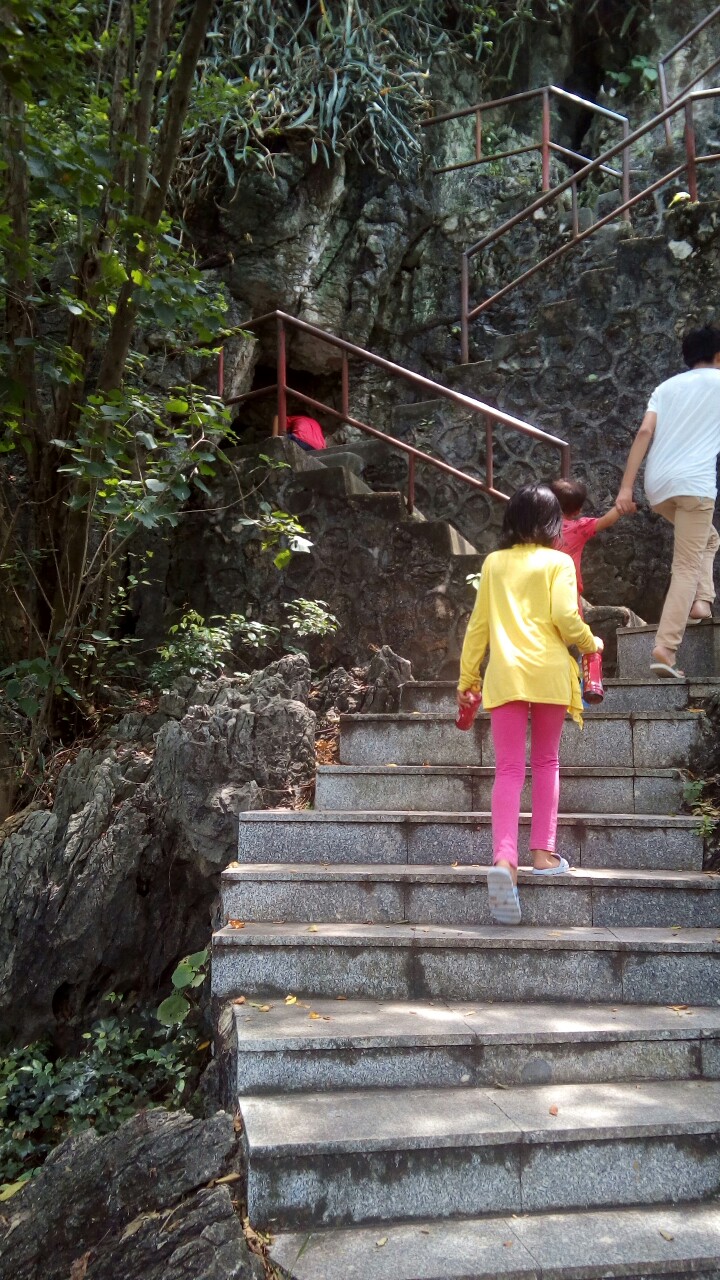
{"x": 140, "y": 1204}
{"x": 577, "y": 351}
{"x": 112, "y": 886}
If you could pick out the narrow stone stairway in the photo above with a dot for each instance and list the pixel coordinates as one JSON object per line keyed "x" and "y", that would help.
{"x": 426, "y": 1096}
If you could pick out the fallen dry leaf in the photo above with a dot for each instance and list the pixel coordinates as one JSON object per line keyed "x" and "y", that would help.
{"x": 666, "y": 1235}
{"x": 383, "y": 1240}
{"x": 554, "y": 1110}
{"x": 78, "y": 1269}
{"x": 424, "y": 1231}
{"x": 229, "y": 1177}
{"x": 678, "y": 1008}
{"x": 315, "y": 1015}
{"x": 230, "y": 865}
{"x": 341, "y": 997}
{"x": 236, "y": 924}
{"x": 264, "y": 1008}
{"x": 312, "y": 928}
{"x": 291, "y": 999}
{"x": 239, "y": 1000}
{"x": 454, "y": 864}
{"x": 205, "y": 1045}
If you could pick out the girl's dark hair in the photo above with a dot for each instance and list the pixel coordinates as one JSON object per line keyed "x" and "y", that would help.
{"x": 571, "y": 494}
{"x": 532, "y": 515}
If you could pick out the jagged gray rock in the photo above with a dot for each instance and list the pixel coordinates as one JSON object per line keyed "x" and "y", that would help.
{"x": 118, "y": 881}
{"x": 138, "y": 1204}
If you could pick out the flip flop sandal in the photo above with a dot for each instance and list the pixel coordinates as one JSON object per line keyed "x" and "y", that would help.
{"x": 503, "y": 896}
{"x": 665, "y": 672}
{"x": 693, "y": 622}
{"x": 560, "y": 870}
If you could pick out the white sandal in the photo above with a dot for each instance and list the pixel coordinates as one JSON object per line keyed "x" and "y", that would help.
{"x": 503, "y": 896}
{"x": 560, "y": 870}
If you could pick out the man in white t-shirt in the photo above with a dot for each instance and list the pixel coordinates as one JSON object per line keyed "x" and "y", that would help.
{"x": 682, "y": 431}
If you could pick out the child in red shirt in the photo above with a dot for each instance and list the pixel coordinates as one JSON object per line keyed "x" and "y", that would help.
{"x": 577, "y": 529}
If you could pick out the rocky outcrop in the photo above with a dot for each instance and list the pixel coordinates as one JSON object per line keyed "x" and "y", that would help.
{"x": 143, "y": 1203}
{"x": 112, "y": 886}
{"x": 116, "y": 882}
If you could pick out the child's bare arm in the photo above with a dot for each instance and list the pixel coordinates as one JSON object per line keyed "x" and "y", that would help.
{"x": 611, "y": 517}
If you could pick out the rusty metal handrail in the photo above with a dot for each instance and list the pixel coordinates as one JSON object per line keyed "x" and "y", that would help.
{"x": 665, "y": 100}
{"x": 545, "y": 146}
{"x": 349, "y": 350}
{"x": 689, "y": 166}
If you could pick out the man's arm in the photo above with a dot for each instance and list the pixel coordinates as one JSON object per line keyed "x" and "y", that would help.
{"x": 641, "y": 444}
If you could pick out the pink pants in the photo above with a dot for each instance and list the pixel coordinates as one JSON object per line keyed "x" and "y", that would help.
{"x": 509, "y": 731}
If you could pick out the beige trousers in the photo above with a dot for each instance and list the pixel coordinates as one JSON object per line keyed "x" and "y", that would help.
{"x": 696, "y": 544}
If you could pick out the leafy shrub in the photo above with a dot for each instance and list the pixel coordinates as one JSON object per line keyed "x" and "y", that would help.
{"x": 129, "y": 1062}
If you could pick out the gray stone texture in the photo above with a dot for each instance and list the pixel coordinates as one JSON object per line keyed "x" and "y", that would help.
{"x": 429, "y": 962}
{"x": 589, "y": 840}
{"x": 621, "y": 1144}
{"x": 653, "y": 741}
{"x": 116, "y": 883}
{"x": 104, "y": 1206}
{"x": 697, "y": 655}
{"x": 469, "y": 787}
{"x": 553, "y": 1246}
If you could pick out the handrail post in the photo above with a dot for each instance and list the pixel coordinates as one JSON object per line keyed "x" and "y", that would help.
{"x": 221, "y": 373}
{"x": 575, "y": 218}
{"x": 545, "y": 145}
{"x": 690, "y": 150}
{"x": 411, "y": 484}
{"x": 281, "y": 379}
{"x": 345, "y": 388}
{"x": 478, "y": 134}
{"x": 489, "y": 460}
{"x": 565, "y": 461}
{"x": 664, "y": 100}
{"x": 464, "y": 309}
{"x": 626, "y": 172}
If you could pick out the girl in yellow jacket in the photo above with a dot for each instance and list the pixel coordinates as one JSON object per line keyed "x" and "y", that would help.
{"x": 526, "y": 612}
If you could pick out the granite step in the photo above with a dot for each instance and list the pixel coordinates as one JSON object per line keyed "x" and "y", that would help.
{"x": 365, "y": 1044}
{"x": 675, "y": 1242}
{"x": 645, "y": 740}
{"x": 638, "y": 841}
{"x": 433, "y": 962}
{"x": 469, "y": 787}
{"x": 620, "y": 695}
{"x": 331, "y": 1159}
{"x": 417, "y": 894}
{"x": 698, "y": 655}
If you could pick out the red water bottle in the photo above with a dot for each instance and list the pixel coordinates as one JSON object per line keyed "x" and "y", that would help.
{"x": 467, "y": 713}
{"x": 593, "y": 691}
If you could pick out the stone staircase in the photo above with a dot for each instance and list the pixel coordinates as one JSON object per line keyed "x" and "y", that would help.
{"x": 426, "y": 1096}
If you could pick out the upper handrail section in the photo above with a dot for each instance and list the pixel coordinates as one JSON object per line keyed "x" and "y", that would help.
{"x": 490, "y": 415}
{"x": 689, "y": 166}
{"x": 665, "y": 99}
{"x": 547, "y": 145}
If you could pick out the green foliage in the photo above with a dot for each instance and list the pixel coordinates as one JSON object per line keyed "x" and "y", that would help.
{"x": 700, "y": 794}
{"x": 189, "y": 975}
{"x": 311, "y": 618}
{"x": 638, "y": 77}
{"x": 202, "y": 649}
{"x": 347, "y": 77}
{"x": 278, "y": 529}
{"x": 129, "y": 1062}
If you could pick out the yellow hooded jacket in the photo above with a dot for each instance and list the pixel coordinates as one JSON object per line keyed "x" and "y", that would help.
{"x": 526, "y": 611}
